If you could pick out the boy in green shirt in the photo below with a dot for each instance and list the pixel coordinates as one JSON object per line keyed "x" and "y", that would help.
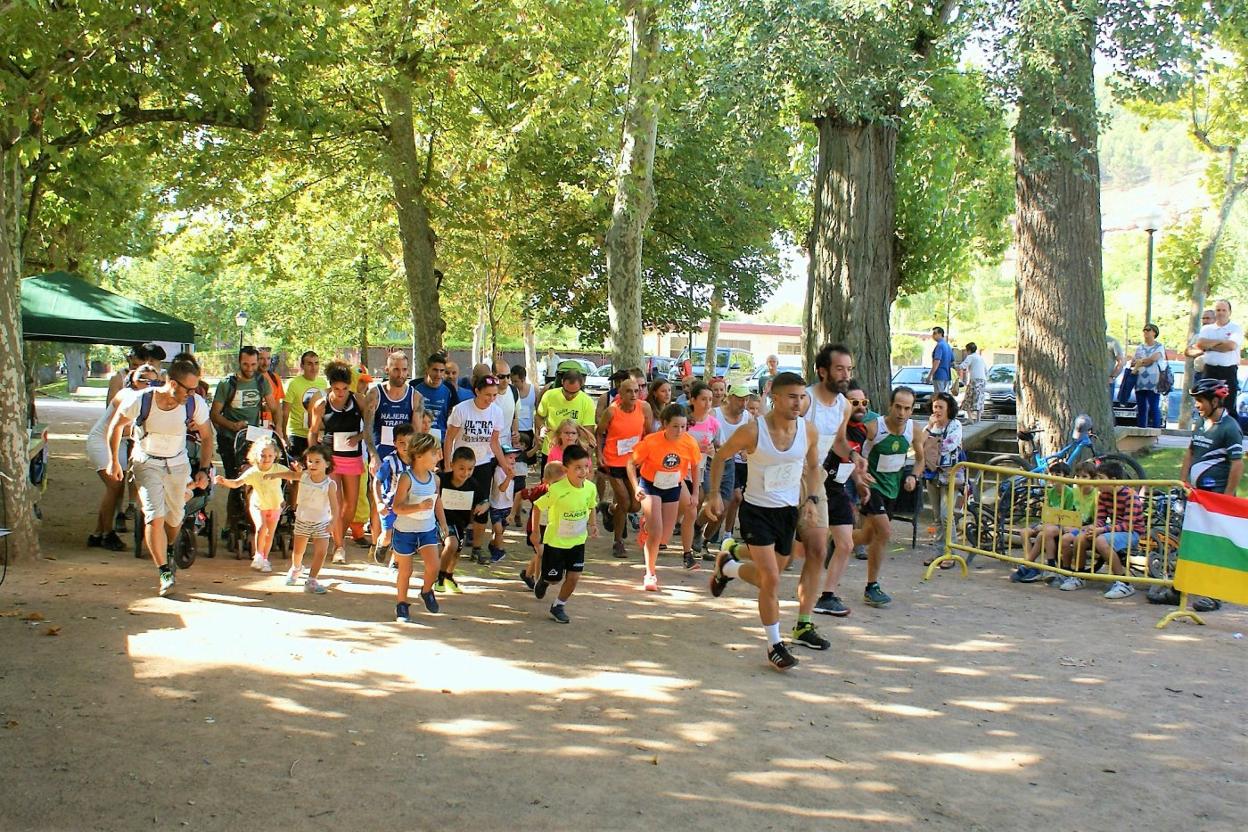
{"x": 1044, "y": 537}
{"x": 567, "y": 512}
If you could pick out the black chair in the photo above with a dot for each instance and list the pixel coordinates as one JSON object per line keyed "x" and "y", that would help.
{"x": 910, "y": 505}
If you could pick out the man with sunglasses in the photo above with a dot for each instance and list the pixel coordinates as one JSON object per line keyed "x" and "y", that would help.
{"x": 844, "y": 466}
{"x": 159, "y": 460}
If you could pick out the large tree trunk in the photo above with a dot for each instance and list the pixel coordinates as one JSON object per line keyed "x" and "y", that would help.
{"x": 1063, "y": 360}
{"x": 711, "y": 363}
{"x": 19, "y": 515}
{"x": 634, "y": 191}
{"x": 75, "y": 367}
{"x": 530, "y": 351}
{"x": 852, "y": 277}
{"x": 415, "y": 229}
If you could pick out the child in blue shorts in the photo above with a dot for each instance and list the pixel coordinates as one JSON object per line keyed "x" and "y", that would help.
{"x": 418, "y": 518}
{"x": 502, "y": 497}
{"x": 384, "y": 484}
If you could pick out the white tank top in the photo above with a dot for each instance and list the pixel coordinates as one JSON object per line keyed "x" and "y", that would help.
{"x": 775, "y": 478}
{"x": 313, "y": 500}
{"x": 727, "y": 428}
{"x": 826, "y": 419}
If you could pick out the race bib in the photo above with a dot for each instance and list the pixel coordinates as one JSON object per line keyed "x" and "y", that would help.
{"x": 345, "y": 442}
{"x": 825, "y": 445}
{"x": 255, "y": 434}
{"x": 666, "y": 479}
{"x": 457, "y": 500}
{"x": 625, "y": 446}
{"x": 782, "y": 477}
{"x": 572, "y": 528}
{"x": 424, "y": 515}
{"x": 890, "y": 463}
{"x": 387, "y": 435}
{"x": 843, "y": 472}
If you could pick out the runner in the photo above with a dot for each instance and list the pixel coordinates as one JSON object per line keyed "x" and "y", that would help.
{"x": 732, "y": 416}
{"x": 340, "y": 418}
{"x": 719, "y": 391}
{"x": 844, "y": 467}
{"x": 477, "y": 423}
{"x": 705, "y": 429}
{"x": 458, "y": 498}
{"x": 300, "y": 392}
{"x": 390, "y": 403}
{"x": 566, "y": 401}
{"x": 237, "y": 405}
{"x": 502, "y": 498}
{"x": 420, "y": 516}
{"x": 105, "y": 534}
{"x": 889, "y": 440}
{"x": 161, "y": 416}
{"x": 661, "y": 472}
{"x": 384, "y": 483}
{"x": 438, "y": 396}
{"x": 567, "y": 508}
{"x": 318, "y": 512}
{"x": 265, "y": 502}
{"x": 658, "y": 396}
{"x": 507, "y": 403}
{"x": 526, "y": 403}
{"x": 551, "y": 474}
{"x": 267, "y": 418}
{"x": 782, "y": 452}
{"x": 622, "y": 426}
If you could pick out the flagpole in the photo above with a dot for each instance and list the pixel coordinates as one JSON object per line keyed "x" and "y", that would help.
{"x": 1182, "y": 612}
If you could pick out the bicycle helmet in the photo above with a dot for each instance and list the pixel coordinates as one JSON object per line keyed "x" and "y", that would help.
{"x": 1082, "y": 427}
{"x": 1211, "y": 388}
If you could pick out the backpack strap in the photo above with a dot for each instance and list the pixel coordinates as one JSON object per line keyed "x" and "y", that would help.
{"x": 190, "y": 410}
{"x": 145, "y": 406}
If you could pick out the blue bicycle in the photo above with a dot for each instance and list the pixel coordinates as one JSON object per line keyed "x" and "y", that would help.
{"x": 1080, "y": 448}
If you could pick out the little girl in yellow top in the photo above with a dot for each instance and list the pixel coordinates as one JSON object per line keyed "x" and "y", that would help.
{"x": 265, "y": 504}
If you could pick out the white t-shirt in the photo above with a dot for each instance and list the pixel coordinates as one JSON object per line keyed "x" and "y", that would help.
{"x": 1231, "y": 332}
{"x": 505, "y": 497}
{"x": 164, "y": 433}
{"x": 507, "y": 405}
{"x": 976, "y": 369}
{"x": 477, "y": 426}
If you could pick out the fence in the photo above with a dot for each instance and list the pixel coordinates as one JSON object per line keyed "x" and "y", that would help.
{"x": 994, "y": 510}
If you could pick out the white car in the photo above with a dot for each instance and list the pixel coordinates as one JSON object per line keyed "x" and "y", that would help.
{"x": 599, "y": 381}
{"x": 752, "y": 381}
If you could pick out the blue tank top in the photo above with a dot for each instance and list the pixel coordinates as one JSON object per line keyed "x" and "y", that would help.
{"x": 390, "y": 414}
{"x": 437, "y": 403}
{"x": 423, "y": 522}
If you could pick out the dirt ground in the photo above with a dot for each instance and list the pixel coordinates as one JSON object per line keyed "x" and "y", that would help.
{"x": 970, "y": 704}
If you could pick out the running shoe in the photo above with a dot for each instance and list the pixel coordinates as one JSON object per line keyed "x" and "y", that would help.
{"x": 292, "y": 575}
{"x": 314, "y": 587}
{"x": 381, "y": 554}
{"x": 1119, "y": 589}
{"x": 340, "y": 555}
{"x": 539, "y": 588}
{"x": 479, "y": 555}
{"x": 718, "y": 579}
{"x": 806, "y": 635}
{"x": 619, "y": 549}
{"x": 496, "y": 554}
{"x": 95, "y": 541}
{"x": 1070, "y": 583}
{"x": 650, "y": 583}
{"x": 528, "y": 580}
{"x": 403, "y": 613}
{"x": 1026, "y": 575}
{"x": 699, "y": 541}
{"x": 691, "y": 563}
{"x": 860, "y": 552}
{"x": 452, "y": 586}
{"x": 780, "y": 657}
{"x": 113, "y": 543}
{"x": 876, "y": 597}
{"x": 166, "y": 582}
{"x": 431, "y": 600}
{"x": 829, "y": 603}
{"x": 257, "y": 563}
{"x": 662, "y": 547}
{"x": 557, "y": 612}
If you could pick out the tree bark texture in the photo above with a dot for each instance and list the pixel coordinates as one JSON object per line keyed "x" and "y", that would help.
{"x": 712, "y": 335}
{"x": 634, "y": 192}
{"x": 1063, "y": 359}
{"x": 530, "y": 351}
{"x": 415, "y": 227}
{"x": 19, "y": 515}
{"x": 852, "y": 275}
{"x": 75, "y": 366}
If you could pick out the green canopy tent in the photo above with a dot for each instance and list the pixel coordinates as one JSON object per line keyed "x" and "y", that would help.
{"x": 59, "y": 306}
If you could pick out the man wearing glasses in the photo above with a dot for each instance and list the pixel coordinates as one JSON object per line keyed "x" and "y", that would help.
{"x": 158, "y": 459}
{"x": 844, "y": 466}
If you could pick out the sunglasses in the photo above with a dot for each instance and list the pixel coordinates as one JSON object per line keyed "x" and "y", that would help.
{"x": 856, "y": 402}
{"x": 183, "y": 386}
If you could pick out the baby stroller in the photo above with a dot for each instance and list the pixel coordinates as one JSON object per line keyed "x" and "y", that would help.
{"x": 198, "y": 520}
{"x": 240, "y": 530}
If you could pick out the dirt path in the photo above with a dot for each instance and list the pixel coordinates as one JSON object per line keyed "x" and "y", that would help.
{"x": 968, "y": 705}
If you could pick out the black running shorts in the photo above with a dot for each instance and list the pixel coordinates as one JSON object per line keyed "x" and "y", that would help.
{"x": 768, "y": 526}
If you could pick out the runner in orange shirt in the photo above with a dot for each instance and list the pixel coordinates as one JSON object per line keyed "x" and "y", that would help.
{"x": 620, "y": 429}
{"x": 662, "y": 472}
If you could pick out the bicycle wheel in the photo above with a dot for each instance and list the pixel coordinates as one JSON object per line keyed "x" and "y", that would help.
{"x": 1008, "y": 461}
{"x": 1134, "y": 470}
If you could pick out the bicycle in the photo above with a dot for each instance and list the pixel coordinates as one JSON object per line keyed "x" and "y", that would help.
{"x": 1080, "y": 448}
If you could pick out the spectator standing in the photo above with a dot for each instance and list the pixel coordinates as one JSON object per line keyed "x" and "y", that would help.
{"x": 1117, "y": 358}
{"x": 942, "y": 362}
{"x": 1196, "y": 353}
{"x": 975, "y": 376}
{"x": 942, "y": 439}
{"x": 1221, "y": 342}
{"x": 1147, "y": 364}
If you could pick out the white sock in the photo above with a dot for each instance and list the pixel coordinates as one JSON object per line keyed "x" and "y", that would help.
{"x": 731, "y": 568}
{"x": 773, "y": 633}
{"x": 558, "y": 602}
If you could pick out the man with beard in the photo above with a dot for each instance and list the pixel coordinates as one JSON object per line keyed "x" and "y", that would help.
{"x": 844, "y": 468}
{"x": 236, "y": 405}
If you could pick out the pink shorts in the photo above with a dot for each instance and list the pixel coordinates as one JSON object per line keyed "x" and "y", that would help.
{"x": 349, "y": 465}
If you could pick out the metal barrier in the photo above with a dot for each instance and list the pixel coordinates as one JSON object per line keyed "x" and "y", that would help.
{"x": 1004, "y": 507}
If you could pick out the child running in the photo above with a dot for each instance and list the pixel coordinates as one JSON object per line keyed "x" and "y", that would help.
{"x": 458, "y": 500}
{"x": 502, "y": 495}
{"x": 265, "y": 505}
{"x": 551, "y": 474}
{"x": 384, "y": 484}
{"x": 316, "y": 513}
{"x": 567, "y": 435}
{"x": 525, "y": 457}
{"x": 660, "y": 469}
{"x": 568, "y": 508}
{"x": 419, "y": 517}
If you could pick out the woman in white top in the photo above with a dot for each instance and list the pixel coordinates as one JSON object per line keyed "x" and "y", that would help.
{"x": 97, "y": 452}
{"x": 942, "y": 444}
{"x": 1147, "y": 364}
{"x": 975, "y": 376}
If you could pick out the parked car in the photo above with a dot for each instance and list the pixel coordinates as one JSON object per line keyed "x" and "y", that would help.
{"x": 599, "y": 381}
{"x": 754, "y": 382}
{"x": 731, "y": 363}
{"x": 1001, "y": 394}
{"x": 1126, "y": 414}
{"x": 659, "y": 366}
{"x": 916, "y": 378}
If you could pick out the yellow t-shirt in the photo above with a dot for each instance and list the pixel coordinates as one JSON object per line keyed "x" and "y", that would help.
{"x": 266, "y": 494}
{"x": 555, "y": 408}
{"x": 565, "y": 510}
{"x": 298, "y": 396}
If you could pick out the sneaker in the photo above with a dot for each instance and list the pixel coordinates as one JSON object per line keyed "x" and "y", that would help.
{"x": 439, "y": 585}
{"x": 557, "y": 612}
{"x": 539, "y": 588}
{"x": 431, "y": 601}
{"x": 691, "y": 562}
{"x": 257, "y": 563}
{"x": 1070, "y": 583}
{"x": 340, "y": 555}
{"x": 662, "y": 547}
{"x": 95, "y": 541}
{"x": 292, "y": 575}
{"x": 634, "y": 520}
{"x": 806, "y": 635}
{"x": 1026, "y": 575}
{"x": 1119, "y": 589}
{"x": 718, "y": 579}
{"x": 403, "y": 613}
{"x": 452, "y": 586}
{"x": 699, "y": 541}
{"x": 113, "y": 543}
{"x": 780, "y": 657}
{"x": 876, "y": 597}
{"x": 381, "y": 554}
{"x": 479, "y": 556}
{"x": 527, "y": 578}
{"x": 496, "y": 554}
{"x": 166, "y": 582}
{"x": 860, "y": 552}
{"x": 314, "y": 587}
{"x": 619, "y": 549}
{"x": 650, "y": 583}
{"x": 830, "y": 604}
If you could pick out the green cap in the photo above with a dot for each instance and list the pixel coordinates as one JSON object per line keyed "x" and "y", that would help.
{"x": 739, "y": 390}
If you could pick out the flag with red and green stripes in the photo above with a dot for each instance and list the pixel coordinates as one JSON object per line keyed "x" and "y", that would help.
{"x": 1213, "y": 552}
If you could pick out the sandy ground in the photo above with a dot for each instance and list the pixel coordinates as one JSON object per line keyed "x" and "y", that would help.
{"x": 970, "y": 704}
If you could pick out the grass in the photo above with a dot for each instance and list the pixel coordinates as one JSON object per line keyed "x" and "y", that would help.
{"x": 1164, "y": 464}
{"x": 59, "y": 389}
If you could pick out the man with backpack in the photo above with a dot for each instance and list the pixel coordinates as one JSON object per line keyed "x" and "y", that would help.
{"x": 161, "y": 417}
{"x": 237, "y": 404}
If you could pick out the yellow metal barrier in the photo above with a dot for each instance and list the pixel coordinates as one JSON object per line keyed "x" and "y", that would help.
{"x": 1008, "y": 506}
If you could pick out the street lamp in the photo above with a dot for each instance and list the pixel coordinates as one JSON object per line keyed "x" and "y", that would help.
{"x": 240, "y": 321}
{"x": 1150, "y": 226}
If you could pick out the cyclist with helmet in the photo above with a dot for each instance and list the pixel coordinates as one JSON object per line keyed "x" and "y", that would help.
{"x": 1214, "y": 461}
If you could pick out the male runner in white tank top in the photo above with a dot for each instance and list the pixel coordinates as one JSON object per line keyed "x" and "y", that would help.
{"x": 782, "y": 450}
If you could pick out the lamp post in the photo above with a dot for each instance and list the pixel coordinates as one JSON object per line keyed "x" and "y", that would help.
{"x": 1150, "y": 226}
{"x": 240, "y": 321}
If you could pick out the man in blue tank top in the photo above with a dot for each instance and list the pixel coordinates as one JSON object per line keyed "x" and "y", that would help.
{"x": 438, "y": 398}
{"x": 390, "y": 404}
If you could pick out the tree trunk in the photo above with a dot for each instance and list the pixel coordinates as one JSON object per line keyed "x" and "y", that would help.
{"x": 634, "y": 191}
{"x": 1063, "y": 360}
{"x": 75, "y": 367}
{"x": 415, "y": 229}
{"x": 711, "y": 363}
{"x": 852, "y": 277}
{"x": 19, "y": 514}
{"x": 530, "y": 351}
